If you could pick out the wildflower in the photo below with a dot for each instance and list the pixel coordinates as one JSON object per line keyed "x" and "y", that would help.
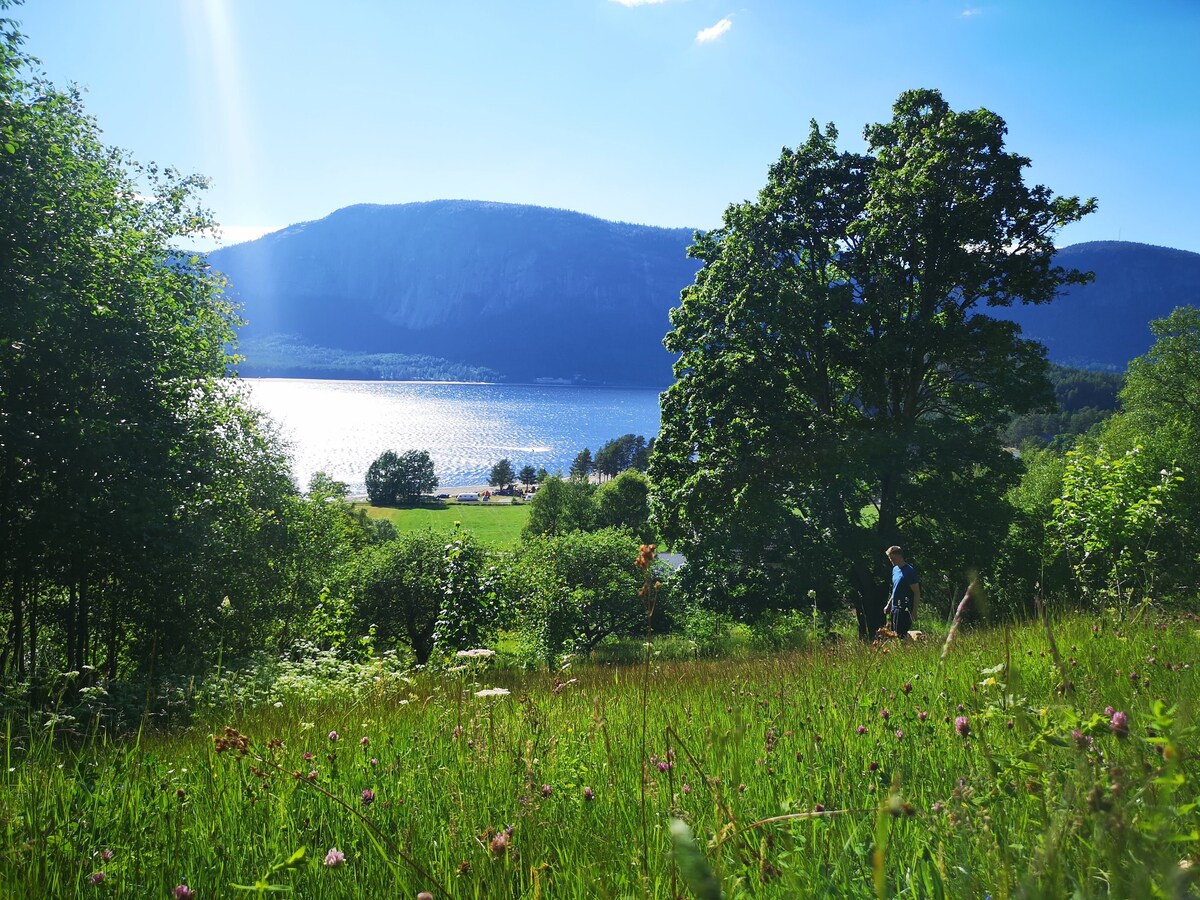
{"x": 742, "y": 788}
{"x": 874, "y": 767}
{"x": 663, "y": 765}
{"x": 96, "y": 878}
{"x": 546, "y": 790}
{"x": 908, "y": 687}
{"x": 1119, "y": 723}
{"x": 308, "y": 756}
{"x": 368, "y": 797}
{"x": 364, "y": 742}
{"x": 899, "y": 735}
{"x": 424, "y": 895}
{"x": 493, "y": 692}
{"x": 479, "y": 653}
{"x": 499, "y": 844}
{"x": 884, "y": 714}
{"x": 374, "y": 761}
{"x": 106, "y": 855}
{"x": 333, "y": 736}
{"x": 963, "y": 726}
{"x": 686, "y": 788}
{"x": 1108, "y": 711}
{"x": 938, "y": 806}
{"x": 458, "y": 729}
{"x": 819, "y": 808}
{"x": 862, "y": 729}
{"x": 588, "y": 794}
{"x": 183, "y": 892}
{"x": 922, "y": 715}
{"x": 1080, "y": 739}
{"x": 334, "y": 858}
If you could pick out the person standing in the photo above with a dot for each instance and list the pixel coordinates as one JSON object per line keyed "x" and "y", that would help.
{"x": 906, "y": 592}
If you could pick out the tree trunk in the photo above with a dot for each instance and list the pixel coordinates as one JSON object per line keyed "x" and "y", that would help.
{"x": 869, "y": 602}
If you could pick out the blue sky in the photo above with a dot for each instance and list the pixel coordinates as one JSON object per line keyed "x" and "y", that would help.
{"x": 660, "y": 113}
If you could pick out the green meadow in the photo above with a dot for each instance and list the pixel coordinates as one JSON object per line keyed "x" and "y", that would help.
{"x": 845, "y": 771}
{"x": 494, "y": 524}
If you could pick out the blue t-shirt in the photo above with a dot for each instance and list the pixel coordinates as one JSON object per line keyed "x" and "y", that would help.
{"x": 903, "y": 578}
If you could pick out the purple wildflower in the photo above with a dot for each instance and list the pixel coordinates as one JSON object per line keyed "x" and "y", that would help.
{"x": 368, "y": 797}
{"x": 546, "y": 790}
{"x": 899, "y": 735}
{"x": 183, "y": 892}
{"x": 364, "y": 742}
{"x": 862, "y": 729}
{"x": 333, "y": 736}
{"x": 1119, "y": 723}
{"x": 96, "y": 878}
{"x": 884, "y": 714}
{"x": 962, "y": 725}
{"x": 588, "y": 794}
{"x": 334, "y": 858}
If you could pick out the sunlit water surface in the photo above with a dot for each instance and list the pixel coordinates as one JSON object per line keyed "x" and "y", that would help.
{"x": 339, "y": 427}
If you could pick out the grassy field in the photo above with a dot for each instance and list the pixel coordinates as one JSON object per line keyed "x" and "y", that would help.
{"x": 494, "y": 524}
{"x": 847, "y": 772}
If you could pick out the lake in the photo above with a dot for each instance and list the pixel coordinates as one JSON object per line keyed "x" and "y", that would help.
{"x": 340, "y": 427}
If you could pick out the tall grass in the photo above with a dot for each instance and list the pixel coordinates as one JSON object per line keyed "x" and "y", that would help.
{"x": 845, "y": 772}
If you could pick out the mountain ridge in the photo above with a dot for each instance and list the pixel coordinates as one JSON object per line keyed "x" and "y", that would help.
{"x": 528, "y": 293}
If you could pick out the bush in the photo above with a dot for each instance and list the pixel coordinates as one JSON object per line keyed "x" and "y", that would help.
{"x": 574, "y": 590}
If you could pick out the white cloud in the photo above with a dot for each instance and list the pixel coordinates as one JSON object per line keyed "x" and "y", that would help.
{"x": 974, "y": 11}
{"x": 631, "y": 3}
{"x": 714, "y": 32}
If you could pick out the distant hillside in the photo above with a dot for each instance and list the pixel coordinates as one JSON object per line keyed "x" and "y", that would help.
{"x": 527, "y": 292}
{"x": 463, "y": 290}
{"x": 1105, "y": 324}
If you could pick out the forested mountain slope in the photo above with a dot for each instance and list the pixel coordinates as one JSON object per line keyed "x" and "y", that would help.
{"x": 456, "y": 289}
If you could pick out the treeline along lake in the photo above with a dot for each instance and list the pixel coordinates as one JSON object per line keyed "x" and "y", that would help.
{"x": 339, "y": 427}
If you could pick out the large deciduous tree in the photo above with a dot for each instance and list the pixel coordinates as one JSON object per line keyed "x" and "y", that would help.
{"x": 137, "y": 491}
{"x": 400, "y": 477}
{"x": 839, "y": 386}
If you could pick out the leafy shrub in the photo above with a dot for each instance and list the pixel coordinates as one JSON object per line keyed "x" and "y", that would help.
{"x": 575, "y": 589}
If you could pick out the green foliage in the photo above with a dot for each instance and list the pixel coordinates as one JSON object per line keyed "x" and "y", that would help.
{"x": 1030, "y": 559}
{"x": 429, "y": 590}
{"x": 529, "y": 476}
{"x": 624, "y": 502}
{"x": 835, "y": 355}
{"x": 574, "y": 589}
{"x": 560, "y": 507}
{"x": 1108, "y": 518}
{"x": 395, "y": 478}
{"x": 502, "y": 475}
{"x": 1083, "y": 399}
{"x": 629, "y": 451}
{"x": 582, "y": 465}
{"x": 139, "y": 493}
